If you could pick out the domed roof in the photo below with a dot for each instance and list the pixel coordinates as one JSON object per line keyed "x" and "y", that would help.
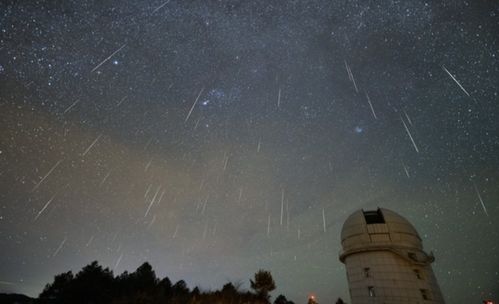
{"x": 378, "y": 227}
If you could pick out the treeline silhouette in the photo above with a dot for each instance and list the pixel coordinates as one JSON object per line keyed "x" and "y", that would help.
{"x": 95, "y": 285}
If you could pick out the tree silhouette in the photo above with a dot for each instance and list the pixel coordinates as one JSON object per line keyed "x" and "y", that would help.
{"x": 281, "y": 300}
{"x": 228, "y": 293}
{"x": 263, "y": 284}
{"x": 165, "y": 288}
{"x": 145, "y": 277}
{"x": 92, "y": 284}
{"x": 180, "y": 293}
{"x": 57, "y": 292}
{"x": 95, "y": 285}
{"x": 140, "y": 286}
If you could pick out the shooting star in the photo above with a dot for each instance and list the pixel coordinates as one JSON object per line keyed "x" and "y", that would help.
{"x": 147, "y": 191}
{"x": 105, "y": 178}
{"x": 46, "y": 175}
{"x": 148, "y": 165}
{"x": 204, "y": 204}
{"x": 193, "y": 105}
{"x": 110, "y": 56}
{"x": 408, "y": 118}
{"x": 410, "y": 136}
{"x": 89, "y": 241}
{"x": 279, "y": 98}
{"x": 121, "y": 100}
{"x": 160, "y": 197}
{"x": 455, "y": 80}
{"x": 226, "y": 161}
{"x": 45, "y": 207}
{"x": 152, "y": 221}
{"x": 118, "y": 262}
{"x": 406, "y": 170}
{"x": 59, "y": 248}
{"x": 152, "y": 201}
{"x": 71, "y": 106}
{"x": 371, "y": 105}
{"x": 480, "y": 199}
{"x": 91, "y": 145}
{"x": 350, "y": 76}
{"x": 159, "y": 7}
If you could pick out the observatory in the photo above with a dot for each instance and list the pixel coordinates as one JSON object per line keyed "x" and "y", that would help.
{"x": 385, "y": 261}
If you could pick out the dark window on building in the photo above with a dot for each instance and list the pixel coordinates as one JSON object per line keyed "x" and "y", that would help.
{"x": 425, "y": 294}
{"x": 374, "y": 217}
{"x": 367, "y": 272}
{"x": 370, "y": 289}
{"x": 418, "y": 274}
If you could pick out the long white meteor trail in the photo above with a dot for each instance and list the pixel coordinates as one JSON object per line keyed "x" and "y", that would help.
{"x": 152, "y": 201}
{"x": 371, "y": 105}
{"x": 481, "y": 200}
{"x": 350, "y": 76}
{"x": 193, "y": 105}
{"x": 91, "y": 145}
{"x": 71, "y": 106}
{"x": 118, "y": 262}
{"x": 406, "y": 170}
{"x": 110, "y": 56}
{"x": 159, "y": 7}
{"x": 46, "y": 175}
{"x": 45, "y": 207}
{"x": 279, "y": 98}
{"x": 59, "y": 248}
{"x": 455, "y": 80}
{"x": 408, "y": 118}
{"x": 410, "y": 136}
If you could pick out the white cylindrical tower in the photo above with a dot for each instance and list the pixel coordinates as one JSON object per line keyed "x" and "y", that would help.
{"x": 385, "y": 261}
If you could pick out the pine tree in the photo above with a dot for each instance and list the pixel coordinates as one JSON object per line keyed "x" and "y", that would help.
{"x": 263, "y": 284}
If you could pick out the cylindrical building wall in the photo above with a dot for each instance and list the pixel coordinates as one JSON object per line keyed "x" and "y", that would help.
{"x": 385, "y": 261}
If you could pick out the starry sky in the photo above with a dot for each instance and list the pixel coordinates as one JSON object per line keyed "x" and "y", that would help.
{"x": 216, "y": 138}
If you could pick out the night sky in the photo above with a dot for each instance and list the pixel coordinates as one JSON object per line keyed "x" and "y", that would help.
{"x": 216, "y": 138}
